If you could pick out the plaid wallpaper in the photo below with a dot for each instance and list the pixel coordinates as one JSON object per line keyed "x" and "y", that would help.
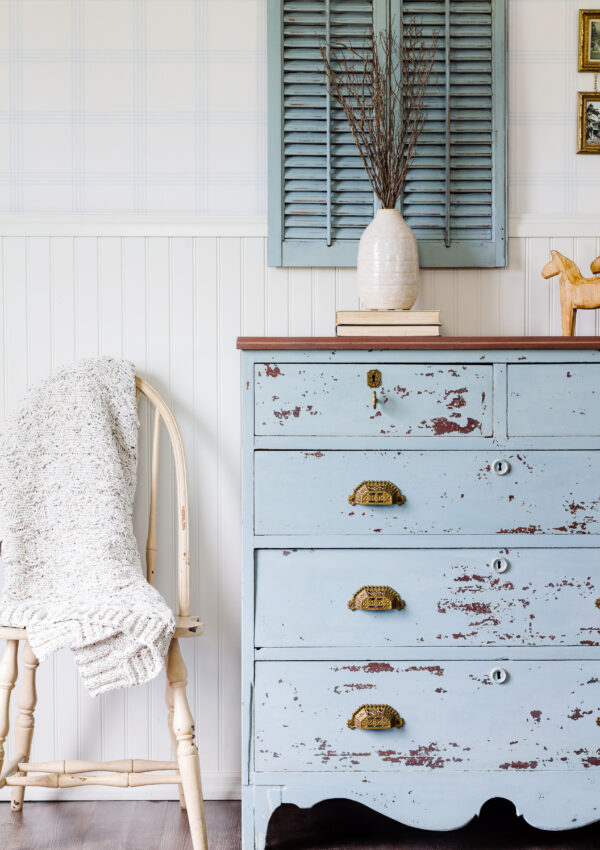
{"x": 545, "y": 173}
{"x": 160, "y": 106}
{"x": 133, "y": 105}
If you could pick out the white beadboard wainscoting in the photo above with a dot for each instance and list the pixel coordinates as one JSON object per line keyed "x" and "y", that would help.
{"x": 174, "y": 305}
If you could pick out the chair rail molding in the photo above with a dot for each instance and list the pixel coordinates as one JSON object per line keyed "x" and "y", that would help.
{"x": 133, "y": 224}
{"x": 522, "y": 225}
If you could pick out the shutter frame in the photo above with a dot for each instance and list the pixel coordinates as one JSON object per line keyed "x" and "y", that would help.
{"x": 463, "y": 253}
{"x": 275, "y": 131}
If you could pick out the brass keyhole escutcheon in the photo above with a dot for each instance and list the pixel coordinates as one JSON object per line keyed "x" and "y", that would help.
{"x": 374, "y": 378}
{"x": 598, "y": 603}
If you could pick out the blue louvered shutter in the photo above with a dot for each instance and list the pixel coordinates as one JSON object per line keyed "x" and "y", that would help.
{"x": 455, "y": 199}
{"x": 455, "y": 195}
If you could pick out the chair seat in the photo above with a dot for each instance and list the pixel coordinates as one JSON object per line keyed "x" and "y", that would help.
{"x": 12, "y": 633}
{"x": 184, "y": 627}
{"x": 188, "y": 626}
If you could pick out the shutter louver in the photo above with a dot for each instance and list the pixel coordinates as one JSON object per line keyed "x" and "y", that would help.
{"x": 471, "y": 120}
{"x": 320, "y": 199}
{"x": 424, "y": 202}
{"x": 327, "y": 198}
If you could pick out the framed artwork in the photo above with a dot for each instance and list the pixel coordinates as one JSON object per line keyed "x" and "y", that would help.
{"x": 589, "y": 40}
{"x": 588, "y": 122}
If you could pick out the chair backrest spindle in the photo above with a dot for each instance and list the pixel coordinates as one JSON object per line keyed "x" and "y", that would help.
{"x": 163, "y": 413}
{"x": 151, "y": 540}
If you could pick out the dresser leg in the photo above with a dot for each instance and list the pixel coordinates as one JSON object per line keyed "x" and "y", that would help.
{"x": 258, "y": 804}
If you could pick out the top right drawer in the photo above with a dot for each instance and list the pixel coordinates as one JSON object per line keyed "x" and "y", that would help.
{"x": 554, "y": 400}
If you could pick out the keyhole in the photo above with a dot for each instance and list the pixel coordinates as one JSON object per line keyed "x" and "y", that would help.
{"x": 501, "y": 467}
{"x": 500, "y": 565}
{"x": 498, "y": 675}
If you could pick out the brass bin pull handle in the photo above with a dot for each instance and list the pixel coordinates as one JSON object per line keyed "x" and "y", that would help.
{"x": 376, "y": 597}
{"x": 376, "y": 494}
{"x": 375, "y": 717}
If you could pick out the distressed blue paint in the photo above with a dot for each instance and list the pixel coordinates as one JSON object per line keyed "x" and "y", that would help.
{"x": 306, "y": 551}
{"x": 566, "y": 400}
{"x": 453, "y": 597}
{"x": 336, "y": 400}
{"x": 456, "y": 719}
{"x": 300, "y": 492}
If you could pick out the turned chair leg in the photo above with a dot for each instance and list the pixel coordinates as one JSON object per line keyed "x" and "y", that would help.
{"x": 187, "y": 752}
{"x": 170, "y": 707}
{"x": 24, "y": 725}
{"x": 8, "y": 676}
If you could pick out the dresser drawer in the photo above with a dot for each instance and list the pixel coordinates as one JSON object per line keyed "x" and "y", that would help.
{"x": 543, "y": 717}
{"x": 554, "y": 399}
{"x": 448, "y": 597}
{"x": 447, "y": 492}
{"x": 322, "y": 399}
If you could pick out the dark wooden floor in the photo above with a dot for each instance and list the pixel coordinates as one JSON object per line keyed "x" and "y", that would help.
{"x": 335, "y": 825}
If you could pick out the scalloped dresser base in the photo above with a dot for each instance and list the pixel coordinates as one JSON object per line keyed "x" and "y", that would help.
{"x": 434, "y": 801}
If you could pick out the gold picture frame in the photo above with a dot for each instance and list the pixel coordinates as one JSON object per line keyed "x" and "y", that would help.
{"x": 589, "y": 40}
{"x": 588, "y": 122}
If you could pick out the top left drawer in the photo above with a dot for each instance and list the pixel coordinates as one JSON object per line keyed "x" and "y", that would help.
{"x": 411, "y": 400}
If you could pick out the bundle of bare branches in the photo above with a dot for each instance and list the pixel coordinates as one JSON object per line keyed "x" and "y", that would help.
{"x": 381, "y": 86}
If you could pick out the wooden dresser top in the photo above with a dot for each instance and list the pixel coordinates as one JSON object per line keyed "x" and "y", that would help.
{"x": 442, "y": 343}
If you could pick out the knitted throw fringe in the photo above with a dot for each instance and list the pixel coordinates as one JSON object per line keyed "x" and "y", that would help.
{"x": 73, "y": 574}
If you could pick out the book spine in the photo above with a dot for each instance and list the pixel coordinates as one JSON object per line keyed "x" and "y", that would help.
{"x": 388, "y": 330}
{"x": 387, "y": 318}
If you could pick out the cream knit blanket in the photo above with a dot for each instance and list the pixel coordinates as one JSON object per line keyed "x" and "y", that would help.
{"x": 73, "y": 576}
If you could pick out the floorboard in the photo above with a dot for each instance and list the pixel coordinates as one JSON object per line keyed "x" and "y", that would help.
{"x": 334, "y": 825}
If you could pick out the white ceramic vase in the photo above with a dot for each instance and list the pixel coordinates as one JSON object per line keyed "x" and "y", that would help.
{"x": 388, "y": 264}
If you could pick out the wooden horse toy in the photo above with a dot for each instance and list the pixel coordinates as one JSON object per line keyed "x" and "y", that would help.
{"x": 576, "y": 292}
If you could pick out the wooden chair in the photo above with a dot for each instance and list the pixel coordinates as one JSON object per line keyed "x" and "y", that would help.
{"x": 20, "y": 773}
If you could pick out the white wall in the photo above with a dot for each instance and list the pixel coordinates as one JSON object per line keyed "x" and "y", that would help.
{"x": 132, "y": 201}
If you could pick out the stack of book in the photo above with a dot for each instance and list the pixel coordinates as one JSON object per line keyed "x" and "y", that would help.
{"x": 388, "y": 322}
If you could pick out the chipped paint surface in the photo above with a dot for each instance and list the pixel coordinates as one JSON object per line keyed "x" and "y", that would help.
{"x": 465, "y": 737}
{"x": 447, "y": 492}
{"x": 314, "y": 699}
{"x": 453, "y": 597}
{"x": 565, "y": 401}
{"x": 413, "y": 400}
{"x": 440, "y": 425}
{"x": 519, "y": 765}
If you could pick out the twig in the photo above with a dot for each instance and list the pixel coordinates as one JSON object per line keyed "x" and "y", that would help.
{"x": 381, "y": 88}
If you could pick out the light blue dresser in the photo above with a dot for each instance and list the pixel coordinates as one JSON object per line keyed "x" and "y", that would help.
{"x": 421, "y": 626}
